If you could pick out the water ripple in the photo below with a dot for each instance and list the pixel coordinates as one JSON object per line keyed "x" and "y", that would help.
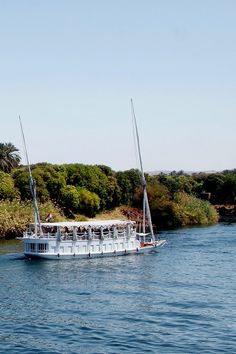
{"x": 178, "y": 300}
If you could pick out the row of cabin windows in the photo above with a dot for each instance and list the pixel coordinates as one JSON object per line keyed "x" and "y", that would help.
{"x": 34, "y": 247}
{"x": 43, "y": 248}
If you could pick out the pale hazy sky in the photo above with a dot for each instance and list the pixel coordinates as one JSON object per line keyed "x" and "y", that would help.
{"x": 70, "y": 67}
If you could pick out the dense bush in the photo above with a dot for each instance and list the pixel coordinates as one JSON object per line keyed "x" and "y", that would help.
{"x": 7, "y": 187}
{"x": 16, "y": 215}
{"x": 97, "y": 179}
{"x": 183, "y": 209}
{"x": 189, "y": 210}
{"x": 79, "y": 200}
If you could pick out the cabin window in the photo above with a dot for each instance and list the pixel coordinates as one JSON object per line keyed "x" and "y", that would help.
{"x": 31, "y": 247}
{"x": 42, "y": 247}
{"x": 27, "y": 247}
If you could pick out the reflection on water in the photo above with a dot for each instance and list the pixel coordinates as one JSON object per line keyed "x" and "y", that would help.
{"x": 11, "y": 246}
{"x": 178, "y": 300}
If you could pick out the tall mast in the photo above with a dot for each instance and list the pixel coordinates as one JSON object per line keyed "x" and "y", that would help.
{"x": 37, "y": 221}
{"x": 146, "y": 207}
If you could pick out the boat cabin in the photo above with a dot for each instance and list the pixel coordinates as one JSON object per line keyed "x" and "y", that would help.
{"x": 88, "y": 230}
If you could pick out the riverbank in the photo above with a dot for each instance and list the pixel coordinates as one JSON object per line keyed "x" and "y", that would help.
{"x": 15, "y": 216}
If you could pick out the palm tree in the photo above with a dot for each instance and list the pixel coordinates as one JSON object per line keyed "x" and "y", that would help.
{"x": 9, "y": 158}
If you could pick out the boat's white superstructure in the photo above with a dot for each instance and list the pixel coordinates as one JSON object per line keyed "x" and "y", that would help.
{"x": 84, "y": 240}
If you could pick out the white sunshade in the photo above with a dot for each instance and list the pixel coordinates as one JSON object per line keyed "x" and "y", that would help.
{"x": 94, "y": 223}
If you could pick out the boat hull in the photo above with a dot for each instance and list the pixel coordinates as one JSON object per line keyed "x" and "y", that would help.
{"x": 138, "y": 250}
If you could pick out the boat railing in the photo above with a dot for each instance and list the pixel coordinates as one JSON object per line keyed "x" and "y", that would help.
{"x": 67, "y": 236}
{"x": 74, "y": 236}
{"x": 30, "y": 234}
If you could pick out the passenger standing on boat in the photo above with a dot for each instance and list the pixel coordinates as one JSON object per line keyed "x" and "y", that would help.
{"x": 49, "y": 217}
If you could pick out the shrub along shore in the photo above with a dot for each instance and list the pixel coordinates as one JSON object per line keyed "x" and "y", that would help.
{"x": 15, "y": 216}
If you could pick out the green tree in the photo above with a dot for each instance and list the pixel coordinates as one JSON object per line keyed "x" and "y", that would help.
{"x": 89, "y": 202}
{"x": 50, "y": 179}
{"x": 69, "y": 199}
{"x": 79, "y": 200}
{"x": 227, "y": 192}
{"x": 177, "y": 183}
{"x": 7, "y": 187}
{"x": 213, "y": 183}
{"x": 41, "y": 187}
{"x": 160, "y": 204}
{"x": 21, "y": 179}
{"x": 170, "y": 182}
{"x": 98, "y": 179}
{"x": 128, "y": 181}
{"x": 9, "y": 157}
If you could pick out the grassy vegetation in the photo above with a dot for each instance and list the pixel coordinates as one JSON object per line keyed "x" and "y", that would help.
{"x": 189, "y": 210}
{"x": 117, "y": 213}
{"x": 16, "y": 215}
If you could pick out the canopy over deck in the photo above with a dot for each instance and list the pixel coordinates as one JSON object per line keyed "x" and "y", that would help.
{"x": 86, "y": 224}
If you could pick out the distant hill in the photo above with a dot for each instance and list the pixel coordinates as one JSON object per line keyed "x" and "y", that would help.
{"x": 155, "y": 173}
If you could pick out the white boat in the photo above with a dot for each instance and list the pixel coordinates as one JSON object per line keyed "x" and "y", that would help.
{"x": 87, "y": 239}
